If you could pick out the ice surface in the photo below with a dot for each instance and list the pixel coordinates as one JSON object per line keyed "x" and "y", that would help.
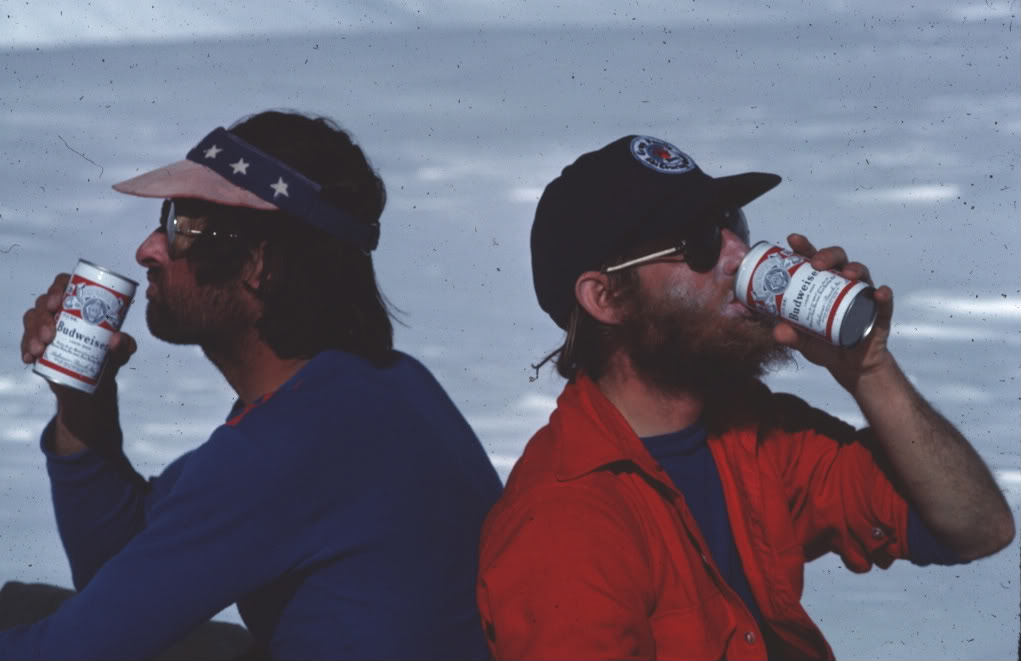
{"x": 895, "y": 128}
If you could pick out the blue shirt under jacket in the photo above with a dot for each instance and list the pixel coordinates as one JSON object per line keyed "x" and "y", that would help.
{"x": 341, "y": 512}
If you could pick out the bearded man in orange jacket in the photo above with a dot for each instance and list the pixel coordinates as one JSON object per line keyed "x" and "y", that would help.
{"x": 668, "y": 508}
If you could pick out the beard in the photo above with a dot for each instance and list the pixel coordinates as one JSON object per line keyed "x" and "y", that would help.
{"x": 211, "y": 316}
{"x": 681, "y": 347}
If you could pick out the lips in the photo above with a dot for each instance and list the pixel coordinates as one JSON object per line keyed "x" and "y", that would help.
{"x": 736, "y": 307}
{"x": 152, "y": 277}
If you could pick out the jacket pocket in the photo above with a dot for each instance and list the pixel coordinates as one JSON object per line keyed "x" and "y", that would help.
{"x": 699, "y": 632}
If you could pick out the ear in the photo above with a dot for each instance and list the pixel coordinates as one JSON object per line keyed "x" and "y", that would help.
{"x": 252, "y": 273}
{"x": 592, "y": 290}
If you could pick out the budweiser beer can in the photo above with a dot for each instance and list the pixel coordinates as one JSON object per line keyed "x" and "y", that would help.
{"x": 93, "y": 309}
{"x": 777, "y": 282}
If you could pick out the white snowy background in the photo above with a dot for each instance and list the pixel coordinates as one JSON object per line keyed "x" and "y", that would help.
{"x": 894, "y": 125}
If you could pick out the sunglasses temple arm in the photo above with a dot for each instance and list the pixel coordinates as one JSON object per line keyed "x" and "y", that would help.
{"x": 641, "y": 260}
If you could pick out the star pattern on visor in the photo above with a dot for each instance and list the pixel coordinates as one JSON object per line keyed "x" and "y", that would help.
{"x": 279, "y": 188}
{"x": 244, "y": 166}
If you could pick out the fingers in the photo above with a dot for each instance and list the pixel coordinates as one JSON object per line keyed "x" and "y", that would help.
{"x": 40, "y": 321}
{"x": 40, "y": 329}
{"x": 801, "y": 245}
{"x": 809, "y": 345}
{"x": 833, "y": 258}
{"x": 826, "y": 259}
{"x": 785, "y": 334}
{"x": 857, "y": 271}
{"x": 59, "y": 284}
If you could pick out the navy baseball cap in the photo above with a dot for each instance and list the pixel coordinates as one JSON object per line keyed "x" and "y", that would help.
{"x": 633, "y": 189}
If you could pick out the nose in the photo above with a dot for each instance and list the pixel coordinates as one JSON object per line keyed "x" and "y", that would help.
{"x": 732, "y": 252}
{"x": 153, "y": 251}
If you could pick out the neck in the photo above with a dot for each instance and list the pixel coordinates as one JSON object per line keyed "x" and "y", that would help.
{"x": 251, "y": 367}
{"x": 649, "y": 410}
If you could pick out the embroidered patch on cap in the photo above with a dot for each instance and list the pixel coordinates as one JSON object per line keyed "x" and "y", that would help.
{"x": 660, "y": 155}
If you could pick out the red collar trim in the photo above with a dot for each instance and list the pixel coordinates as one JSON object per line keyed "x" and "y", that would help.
{"x": 236, "y": 420}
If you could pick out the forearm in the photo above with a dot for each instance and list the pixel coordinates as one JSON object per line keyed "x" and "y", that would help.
{"x": 945, "y": 479}
{"x": 98, "y": 500}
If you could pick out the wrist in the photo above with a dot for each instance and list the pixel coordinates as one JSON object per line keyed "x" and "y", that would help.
{"x": 63, "y": 442}
{"x": 84, "y": 421}
{"x": 883, "y": 374}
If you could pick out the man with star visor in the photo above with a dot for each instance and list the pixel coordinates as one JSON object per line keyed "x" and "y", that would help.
{"x": 668, "y": 508}
{"x": 340, "y": 504}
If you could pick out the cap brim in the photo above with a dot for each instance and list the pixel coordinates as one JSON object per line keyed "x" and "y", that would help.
{"x": 739, "y": 189}
{"x": 712, "y": 194}
{"x": 191, "y": 180}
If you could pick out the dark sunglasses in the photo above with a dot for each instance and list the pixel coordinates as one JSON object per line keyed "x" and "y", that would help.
{"x": 701, "y": 244}
{"x": 180, "y": 228}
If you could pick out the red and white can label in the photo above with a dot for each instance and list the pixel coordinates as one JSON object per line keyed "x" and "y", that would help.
{"x": 783, "y": 284}
{"x": 95, "y": 303}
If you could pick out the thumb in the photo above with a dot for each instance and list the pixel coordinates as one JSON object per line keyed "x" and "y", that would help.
{"x": 784, "y": 333}
{"x": 122, "y": 347}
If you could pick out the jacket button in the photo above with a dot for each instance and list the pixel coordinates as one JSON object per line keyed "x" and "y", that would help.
{"x": 877, "y": 533}
{"x": 749, "y": 637}
{"x": 705, "y": 559}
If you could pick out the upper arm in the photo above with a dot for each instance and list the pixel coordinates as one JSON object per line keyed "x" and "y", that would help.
{"x": 839, "y": 490}
{"x": 564, "y": 576}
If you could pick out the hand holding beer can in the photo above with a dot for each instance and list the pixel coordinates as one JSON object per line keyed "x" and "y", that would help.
{"x": 93, "y": 308}
{"x": 780, "y": 283}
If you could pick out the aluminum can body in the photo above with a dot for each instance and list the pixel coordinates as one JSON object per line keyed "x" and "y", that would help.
{"x": 95, "y": 303}
{"x": 780, "y": 283}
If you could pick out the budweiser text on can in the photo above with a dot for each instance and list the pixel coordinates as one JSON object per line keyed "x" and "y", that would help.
{"x": 780, "y": 283}
{"x": 93, "y": 309}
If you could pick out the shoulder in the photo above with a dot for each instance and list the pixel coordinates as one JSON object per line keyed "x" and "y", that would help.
{"x": 797, "y": 438}
{"x": 336, "y": 385}
{"x": 537, "y": 506}
{"x": 362, "y": 380}
{"x": 782, "y": 414}
{"x": 348, "y": 416}
{"x": 789, "y": 414}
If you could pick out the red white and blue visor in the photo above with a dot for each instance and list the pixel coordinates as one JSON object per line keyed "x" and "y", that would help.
{"x": 225, "y": 169}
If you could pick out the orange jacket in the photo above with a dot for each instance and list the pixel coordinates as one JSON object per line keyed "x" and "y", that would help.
{"x": 592, "y": 552}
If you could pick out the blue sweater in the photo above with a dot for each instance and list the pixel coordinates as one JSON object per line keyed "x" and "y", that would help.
{"x": 342, "y": 513}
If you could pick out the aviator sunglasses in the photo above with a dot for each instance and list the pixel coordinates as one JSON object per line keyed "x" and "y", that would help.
{"x": 700, "y": 245}
{"x": 181, "y": 227}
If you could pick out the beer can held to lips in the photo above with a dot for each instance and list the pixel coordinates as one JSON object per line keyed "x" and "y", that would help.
{"x": 777, "y": 282}
{"x": 93, "y": 309}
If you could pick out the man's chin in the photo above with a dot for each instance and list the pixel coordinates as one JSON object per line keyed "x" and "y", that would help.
{"x": 163, "y": 327}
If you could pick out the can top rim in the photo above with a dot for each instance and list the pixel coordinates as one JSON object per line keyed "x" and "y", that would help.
{"x": 106, "y": 270}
